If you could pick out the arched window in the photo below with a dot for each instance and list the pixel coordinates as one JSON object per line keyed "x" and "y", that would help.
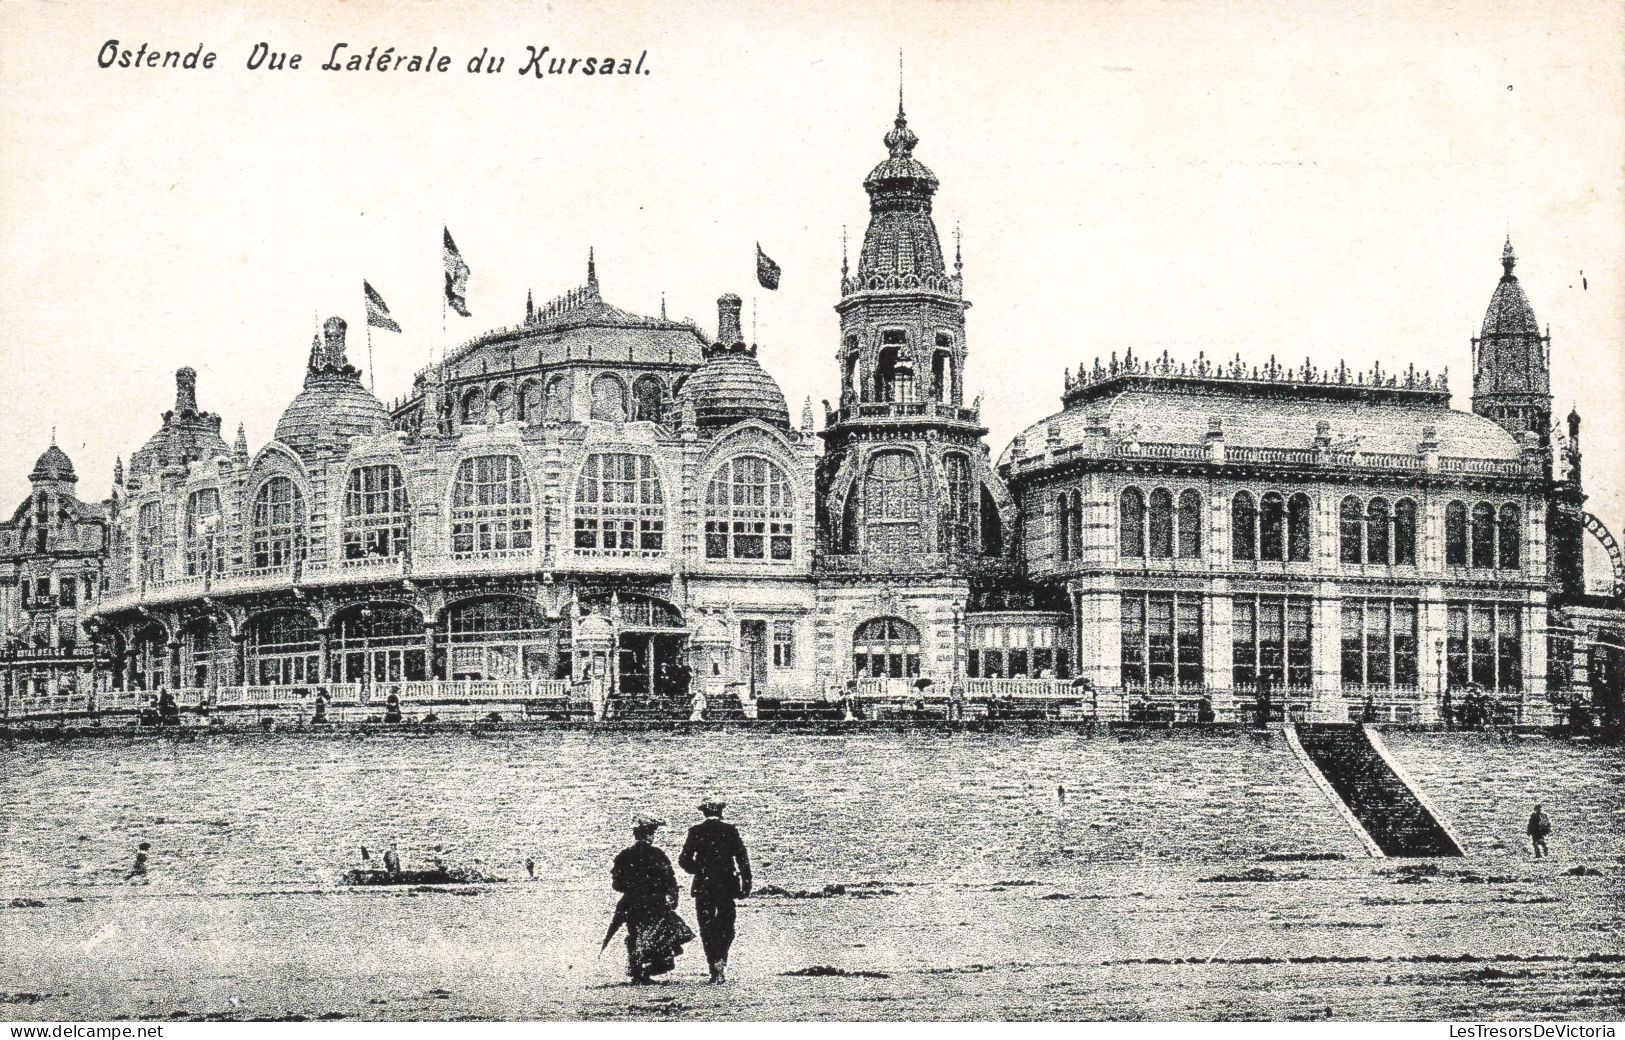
{"x": 1131, "y": 523}
{"x": 648, "y": 398}
{"x": 1161, "y": 516}
{"x": 1190, "y": 525}
{"x": 556, "y": 406}
{"x": 278, "y": 536}
{"x": 375, "y": 513}
{"x": 531, "y": 401}
{"x": 1297, "y": 528}
{"x": 502, "y": 637}
{"x": 749, "y": 513}
{"x": 282, "y": 649}
{"x": 1272, "y": 527}
{"x": 1376, "y": 531}
{"x": 849, "y": 520}
{"x": 1405, "y": 533}
{"x": 474, "y": 406}
{"x": 1243, "y": 527}
{"x": 502, "y": 404}
{"x": 959, "y": 521}
{"x": 150, "y": 541}
{"x": 608, "y": 399}
{"x": 490, "y": 506}
{"x": 205, "y": 542}
{"x": 942, "y": 369}
{"x": 1063, "y": 526}
{"x": 378, "y": 642}
{"x": 1483, "y": 535}
{"x": 891, "y": 503}
{"x": 1510, "y": 531}
{"x": 886, "y": 646}
{"x": 1455, "y": 535}
{"x": 894, "y": 371}
{"x": 1351, "y": 531}
{"x": 620, "y": 509}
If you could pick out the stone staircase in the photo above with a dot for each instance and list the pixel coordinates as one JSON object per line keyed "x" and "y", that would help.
{"x": 1355, "y": 767}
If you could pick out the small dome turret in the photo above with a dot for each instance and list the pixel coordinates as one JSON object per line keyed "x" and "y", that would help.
{"x": 333, "y": 406}
{"x": 731, "y": 386}
{"x": 53, "y": 464}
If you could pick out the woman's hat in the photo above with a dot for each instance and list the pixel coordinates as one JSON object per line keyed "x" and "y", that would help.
{"x": 641, "y": 821}
{"x": 713, "y": 805}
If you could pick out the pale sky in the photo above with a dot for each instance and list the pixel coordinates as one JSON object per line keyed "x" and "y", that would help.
{"x": 1298, "y": 180}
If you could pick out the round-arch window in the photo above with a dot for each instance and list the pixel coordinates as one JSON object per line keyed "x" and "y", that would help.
{"x": 886, "y": 647}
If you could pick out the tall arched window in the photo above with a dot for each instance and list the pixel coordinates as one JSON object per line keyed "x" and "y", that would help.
{"x": 749, "y": 513}
{"x": 474, "y": 406}
{"x": 608, "y": 399}
{"x": 620, "y": 509}
{"x": 961, "y": 516}
{"x": 1297, "y": 528}
{"x": 1376, "y": 530}
{"x": 1063, "y": 526}
{"x": 942, "y": 371}
{"x": 1161, "y": 517}
{"x": 375, "y": 513}
{"x": 502, "y": 404}
{"x": 887, "y": 646}
{"x": 1483, "y": 535}
{"x": 849, "y": 520}
{"x": 1351, "y": 530}
{"x": 891, "y": 503}
{"x": 648, "y": 398}
{"x": 282, "y": 649}
{"x": 150, "y": 541}
{"x": 1510, "y": 532}
{"x": 1405, "y": 533}
{"x": 992, "y": 526}
{"x": 1272, "y": 527}
{"x": 1190, "y": 525}
{"x": 1131, "y": 523}
{"x": 1243, "y": 527}
{"x": 556, "y": 406}
{"x": 490, "y": 506}
{"x": 205, "y": 542}
{"x": 1455, "y": 534}
{"x": 278, "y": 534}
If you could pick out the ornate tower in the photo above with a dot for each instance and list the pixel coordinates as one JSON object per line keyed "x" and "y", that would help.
{"x": 904, "y": 461}
{"x": 1511, "y": 360}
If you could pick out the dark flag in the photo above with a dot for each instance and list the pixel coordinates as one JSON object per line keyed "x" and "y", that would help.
{"x": 377, "y": 314}
{"x": 457, "y": 273}
{"x": 767, "y": 272}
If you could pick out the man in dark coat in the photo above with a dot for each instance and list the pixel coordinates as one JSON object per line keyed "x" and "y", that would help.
{"x": 642, "y": 874}
{"x": 1539, "y": 826}
{"x": 715, "y": 854}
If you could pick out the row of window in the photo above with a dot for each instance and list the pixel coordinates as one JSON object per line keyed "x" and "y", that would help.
{"x": 37, "y": 591}
{"x": 1272, "y": 643}
{"x": 619, "y": 509}
{"x": 534, "y": 400}
{"x": 1277, "y": 528}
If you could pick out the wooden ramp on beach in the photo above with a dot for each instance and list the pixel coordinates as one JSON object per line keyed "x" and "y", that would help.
{"x": 1376, "y": 798}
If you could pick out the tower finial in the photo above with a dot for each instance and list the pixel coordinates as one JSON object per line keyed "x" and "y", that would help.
{"x": 53, "y": 435}
{"x": 592, "y": 272}
{"x": 843, "y": 252}
{"x": 1508, "y": 257}
{"x": 662, "y": 305}
{"x": 959, "y": 261}
{"x": 899, "y": 83}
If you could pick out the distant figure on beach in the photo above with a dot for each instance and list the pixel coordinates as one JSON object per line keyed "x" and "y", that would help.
{"x": 1060, "y": 793}
{"x": 715, "y": 854}
{"x": 139, "y": 870}
{"x": 530, "y": 867}
{"x": 1204, "y": 709}
{"x": 392, "y": 859}
{"x": 654, "y": 934}
{"x": 169, "y": 713}
{"x": 1368, "y": 713}
{"x": 1539, "y": 826}
{"x": 392, "y": 707}
{"x": 1448, "y": 710}
{"x": 318, "y": 715}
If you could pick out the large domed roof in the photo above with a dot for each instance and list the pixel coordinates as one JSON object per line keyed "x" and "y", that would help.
{"x": 731, "y": 385}
{"x": 188, "y": 434}
{"x": 333, "y": 406}
{"x": 53, "y": 464}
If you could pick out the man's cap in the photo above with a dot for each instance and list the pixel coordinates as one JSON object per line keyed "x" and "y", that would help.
{"x": 711, "y": 805}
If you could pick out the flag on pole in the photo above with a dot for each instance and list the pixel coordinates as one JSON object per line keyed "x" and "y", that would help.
{"x": 457, "y": 273}
{"x": 767, "y": 272}
{"x": 377, "y": 310}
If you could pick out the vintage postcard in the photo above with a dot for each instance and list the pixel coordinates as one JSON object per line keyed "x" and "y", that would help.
{"x": 511, "y": 513}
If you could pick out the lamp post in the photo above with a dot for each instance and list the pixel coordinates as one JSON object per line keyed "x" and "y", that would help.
{"x": 1438, "y": 667}
{"x": 365, "y": 616}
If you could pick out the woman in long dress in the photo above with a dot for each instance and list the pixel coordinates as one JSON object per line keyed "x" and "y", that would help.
{"x": 655, "y": 935}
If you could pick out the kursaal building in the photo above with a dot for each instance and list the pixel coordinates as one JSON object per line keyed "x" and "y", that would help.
{"x": 586, "y": 499}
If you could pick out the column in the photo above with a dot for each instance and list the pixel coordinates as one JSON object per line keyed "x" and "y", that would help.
{"x": 431, "y": 668}
{"x": 1326, "y": 646}
{"x": 174, "y": 676}
{"x": 324, "y": 664}
{"x": 1217, "y": 653}
{"x": 239, "y": 659}
{"x": 1432, "y": 631}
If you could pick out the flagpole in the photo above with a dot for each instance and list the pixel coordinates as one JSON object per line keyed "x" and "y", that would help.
{"x": 372, "y": 370}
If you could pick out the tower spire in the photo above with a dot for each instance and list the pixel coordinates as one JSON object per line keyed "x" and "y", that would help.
{"x": 1509, "y": 259}
{"x": 592, "y": 273}
{"x": 899, "y": 83}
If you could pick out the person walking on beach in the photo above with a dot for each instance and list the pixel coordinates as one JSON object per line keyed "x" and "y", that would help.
{"x": 392, "y": 859}
{"x": 1539, "y": 826}
{"x": 139, "y": 870}
{"x": 715, "y": 854}
{"x": 654, "y": 934}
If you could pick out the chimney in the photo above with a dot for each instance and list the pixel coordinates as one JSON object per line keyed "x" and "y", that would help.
{"x": 728, "y": 331}
{"x": 333, "y": 335}
{"x": 185, "y": 392}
